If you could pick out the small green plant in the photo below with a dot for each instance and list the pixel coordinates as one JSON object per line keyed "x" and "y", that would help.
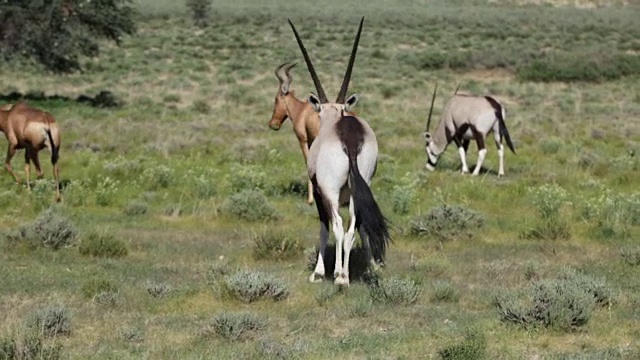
{"x": 325, "y": 294}
{"x": 473, "y": 347}
{"x": 551, "y": 224}
{"x": 105, "y": 191}
{"x": 631, "y": 255}
{"x": 250, "y": 205}
{"x": 444, "y": 291}
{"x": 394, "y": 290}
{"x": 275, "y": 245}
{"x": 246, "y": 177}
{"x": 250, "y": 286}
{"x": 448, "y": 222}
{"x": 97, "y": 285}
{"x": 200, "y": 12}
{"x": 235, "y": 325}
{"x": 51, "y": 321}
{"x": 158, "y": 176}
{"x": 102, "y": 245}
{"x": 76, "y": 193}
{"x": 135, "y": 208}
{"x": 403, "y": 194}
{"x": 201, "y": 106}
{"x": 612, "y": 214}
{"x": 157, "y": 290}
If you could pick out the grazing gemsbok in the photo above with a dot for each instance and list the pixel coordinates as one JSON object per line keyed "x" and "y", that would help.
{"x": 306, "y": 122}
{"x": 466, "y": 117}
{"x": 33, "y": 130}
{"x": 342, "y": 161}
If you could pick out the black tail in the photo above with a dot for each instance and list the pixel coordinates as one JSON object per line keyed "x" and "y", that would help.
{"x": 54, "y": 149}
{"x": 369, "y": 218}
{"x": 503, "y": 126}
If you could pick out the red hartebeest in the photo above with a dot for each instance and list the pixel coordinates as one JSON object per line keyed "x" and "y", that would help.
{"x": 306, "y": 122}
{"x": 33, "y": 130}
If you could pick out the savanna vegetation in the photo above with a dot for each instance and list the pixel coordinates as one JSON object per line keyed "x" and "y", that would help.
{"x": 184, "y": 231}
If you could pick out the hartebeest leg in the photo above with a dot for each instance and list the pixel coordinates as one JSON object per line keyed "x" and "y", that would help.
{"x": 482, "y": 150}
{"x": 304, "y": 146}
{"x": 27, "y": 166}
{"x": 56, "y": 176}
{"x": 7, "y": 164}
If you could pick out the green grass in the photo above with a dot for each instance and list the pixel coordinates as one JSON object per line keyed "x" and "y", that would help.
{"x": 154, "y": 177}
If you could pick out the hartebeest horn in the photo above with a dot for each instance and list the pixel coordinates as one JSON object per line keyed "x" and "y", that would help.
{"x": 282, "y": 73}
{"x": 347, "y": 76}
{"x": 312, "y": 71}
{"x": 433, "y": 99}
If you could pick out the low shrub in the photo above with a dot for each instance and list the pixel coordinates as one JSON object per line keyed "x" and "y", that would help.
{"x": 97, "y": 285}
{"x": 551, "y": 224}
{"x": 51, "y": 229}
{"x": 250, "y": 286}
{"x": 250, "y": 205}
{"x": 157, "y": 290}
{"x": 631, "y": 255}
{"x": 275, "y": 245}
{"x": 394, "y": 291}
{"x": 448, "y": 222}
{"x": 135, "y": 208}
{"x": 444, "y": 291}
{"x": 235, "y": 325}
{"x": 51, "y": 321}
{"x": 29, "y": 347}
{"x": 105, "y": 191}
{"x": 473, "y": 347}
{"x": 102, "y": 245}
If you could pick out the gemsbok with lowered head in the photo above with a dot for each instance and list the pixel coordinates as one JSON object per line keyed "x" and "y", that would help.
{"x": 306, "y": 122}
{"x": 33, "y": 130}
{"x": 342, "y": 162}
{"x": 465, "y": 118}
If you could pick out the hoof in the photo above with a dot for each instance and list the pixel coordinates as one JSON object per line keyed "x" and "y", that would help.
{"x": 310, "y": 201}
{"x": 342, "y": 280}
{"x": 316, "y": 278}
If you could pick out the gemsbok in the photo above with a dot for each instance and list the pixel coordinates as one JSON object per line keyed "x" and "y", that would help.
{"x": 466, "y": 117}
{"x": 33, "y": 130}
{"x": 306, "y": 122}
{"x": 342, "y": 161}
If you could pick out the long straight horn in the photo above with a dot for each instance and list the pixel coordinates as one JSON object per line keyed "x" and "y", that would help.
{"x": 312, "y": 71}
{"x": 433, "y": 99}
{"x": 347, "y": 76}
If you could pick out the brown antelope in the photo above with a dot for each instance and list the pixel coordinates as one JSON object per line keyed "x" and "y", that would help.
{"x": 306, "y": 122}
{"x": 467, "y": 117}
{"x": 33, "y": 130}
{"x": 342, "y": 162}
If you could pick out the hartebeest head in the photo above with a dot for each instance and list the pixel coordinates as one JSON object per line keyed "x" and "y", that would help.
{"x": 320, "y": 102}
{"x": 280, "y": 107}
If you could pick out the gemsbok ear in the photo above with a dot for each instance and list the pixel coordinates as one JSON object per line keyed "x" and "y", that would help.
{"x": 351, "y": 102}
{"x": 315, "y": 102}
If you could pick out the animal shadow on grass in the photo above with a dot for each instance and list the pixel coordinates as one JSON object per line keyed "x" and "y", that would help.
{"x": 359, "y": 266}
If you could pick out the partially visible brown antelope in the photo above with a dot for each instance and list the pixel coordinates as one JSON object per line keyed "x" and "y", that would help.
{"x": 33, "y": 130}
{"x": 466, "y": 117}
{"x": 306, "y": 122}
{"x": 342, "y": 162}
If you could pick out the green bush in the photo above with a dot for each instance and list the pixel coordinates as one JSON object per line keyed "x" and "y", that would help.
{"x": 29, "y": 347}
{"x": 631, "y": 255}
{"x": 444, "y": 291}
{"x": 275, "y": 245}
{"x": 200, "y": 12}
{"x": 473, "y": 347}
{"x": 235, "y": 325}
{"x": 250, "y": 286}
{"x": 51, "y": 321}
{"x": 565, "y": 303}
{"x": 51, "y": 229}
{"x": 97, "y": 285}
{"x": 448, "y": 222}
{"x": 105, "y": 191}
{"x": 250, "y": 205}
{"x": 394, "y": 291}
{"x": 612, "y": 214}
{"x": 102, "y": 245}
{"x": 135, "y": 208}
{"x": 548, "y": 200}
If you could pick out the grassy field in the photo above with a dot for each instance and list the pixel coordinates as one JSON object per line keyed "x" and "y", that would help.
{"x": 183, "y": 190}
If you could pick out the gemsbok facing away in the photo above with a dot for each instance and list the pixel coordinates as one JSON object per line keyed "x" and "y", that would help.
{"x": 465, "y": 118}
{"x": 33, "y": 130}
{"x": 306, "y": 122}
{"x": 342, "y": 161}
